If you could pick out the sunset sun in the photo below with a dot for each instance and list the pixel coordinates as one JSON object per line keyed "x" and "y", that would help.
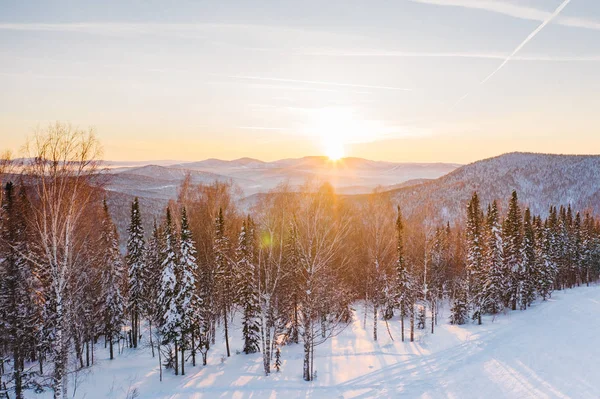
{"x": 333, "y": 149}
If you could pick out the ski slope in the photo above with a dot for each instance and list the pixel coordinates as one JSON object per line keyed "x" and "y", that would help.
{"x": 548, "y": 351}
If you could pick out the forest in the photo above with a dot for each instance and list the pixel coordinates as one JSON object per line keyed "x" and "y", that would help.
{"x": 292, "y": 267}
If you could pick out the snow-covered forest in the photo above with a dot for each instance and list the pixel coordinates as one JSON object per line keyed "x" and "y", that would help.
{"x": 296, "y": 270}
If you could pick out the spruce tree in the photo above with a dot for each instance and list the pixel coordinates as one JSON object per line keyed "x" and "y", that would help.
{"x": 404, "y": 288}
{"x": 136, "y": 266}
{"x": 247, "y": 288}
{"x": 17, "y": 309}
{"x": 495, "y": 281}
{"x": 527, "y": 274}
{"x": 169, "y": 316}
{"x": 459, "y": 311}
{"x": 475, "y": 260}
{"x": 512, "y": 240}
{"x": 112, "y": 281}
{"x": 223, "y": 278}
{"x": 188, "y": 300}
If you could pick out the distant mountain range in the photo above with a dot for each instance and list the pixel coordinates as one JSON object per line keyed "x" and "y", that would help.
{"x": 435, "y": 191}
{"x": 348, "y": 176}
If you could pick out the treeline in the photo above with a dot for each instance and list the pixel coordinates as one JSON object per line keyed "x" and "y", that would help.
{"x": 291, "y": 268}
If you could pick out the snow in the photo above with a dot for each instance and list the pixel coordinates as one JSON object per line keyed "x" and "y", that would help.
{"x": 548, "y": 351}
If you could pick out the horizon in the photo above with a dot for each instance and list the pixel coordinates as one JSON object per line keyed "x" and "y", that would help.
{"x": 422, "y": 81}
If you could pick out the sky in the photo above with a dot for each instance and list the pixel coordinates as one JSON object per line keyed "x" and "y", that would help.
{"x": 406, "y": 80}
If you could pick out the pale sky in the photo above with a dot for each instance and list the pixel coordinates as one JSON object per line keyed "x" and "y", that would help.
{"x": 404, "y": 80}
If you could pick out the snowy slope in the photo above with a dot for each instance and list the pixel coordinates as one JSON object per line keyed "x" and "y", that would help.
{"x": 548, "y": 351}
{"x": 540, "y": 180}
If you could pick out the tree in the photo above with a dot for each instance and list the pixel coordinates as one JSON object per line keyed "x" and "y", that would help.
{"x": 459, "y": 312}
{"x": 136, "y": 265}
{"x": 404, "y": 283}
{"x": 495, "y": 281}
{"x": 247, "y": 288}
{"x": 379, "y": 245}
{"x": 512, "y": 240}
{"x": 63, "y": 162}
{"x": 17, "y": 331}
{"x": 475, "y": 259}
{"x": 188, "y": 300}
{"x": 223, "y": 275}
{"x": 113, "y": 309}
{"x": 169, "y": 312}
{"x": 529, "y": 262}
{"x": 322, "y": 225}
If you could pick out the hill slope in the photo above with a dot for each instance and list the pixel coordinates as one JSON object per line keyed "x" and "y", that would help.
{"x": 540, "y": 180}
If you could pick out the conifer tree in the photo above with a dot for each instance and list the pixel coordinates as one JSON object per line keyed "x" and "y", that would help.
{"x": 112, "y": 281}
{"x": 527, "y": 274}
{"x": 248, "y": 291}
{"x": 475, "y": 264}
{"x": 223, "y": 278}
{"x": 404, "y": 289}
{"x": 188, "y": 300}
{"x": 459, "y": 312}
{"x": 16, "y": 306}
{"x": 136, "y": 266}
{"x": 152, "y": 283}
{"x": 512, "y": 240}
{"x": 546, "y": 268}
{"x": 495, "y": 281}
{"x": 169, "y": 316}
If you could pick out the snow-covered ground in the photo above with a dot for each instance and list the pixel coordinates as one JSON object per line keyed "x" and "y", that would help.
{"x": 549, "y": 351}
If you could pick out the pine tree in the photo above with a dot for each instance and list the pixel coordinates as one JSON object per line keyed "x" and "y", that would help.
{"x": 528, "y": 273}
{"x": 247, "y": 289}
{"x": 17, "y": 309}
{"x": 152, "y": 282}
{"x": 169, "y": 316}
{"x": 495, "y": 281}
{"x": 475, "y": 264}
{"x": 112, "y": 281}
{"x": 136, "y": 268}
{"x": 459, "y": 312}
{"x": 512, "y": 240}
{"x": 404, "y": 288}
{"x": 188, "y": 300}
{"x": 546, "y": 268}
{"x": 223, "y": 278}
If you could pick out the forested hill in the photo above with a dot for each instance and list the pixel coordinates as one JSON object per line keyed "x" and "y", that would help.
{"x": 539, "y": 179}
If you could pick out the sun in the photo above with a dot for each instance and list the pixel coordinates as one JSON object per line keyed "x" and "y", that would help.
{"x": 334, "y": 150}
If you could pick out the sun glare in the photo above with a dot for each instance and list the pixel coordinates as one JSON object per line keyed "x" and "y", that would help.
{"x": 334, "y": 150}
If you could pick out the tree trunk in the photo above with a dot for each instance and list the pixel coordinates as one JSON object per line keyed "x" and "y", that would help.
{"x": 432, "y": 316}
{"x": 226, "y": 330}
{"x": 374, "y": 322}
{"x": 402, "y": 322}
{"x": 110, "y": 344}
{"x": 134, "y": 326}
{"x": 176, "y": 359}
{"x": 87, "y": 353}
{"x": 412, "y": 322}
{"x": 151, "y": 341}
{"x": 193, "y": 349}
{"x": 182, "y": 360}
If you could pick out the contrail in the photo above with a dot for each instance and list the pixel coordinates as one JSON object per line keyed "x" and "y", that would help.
{"x": 519, "y": 47}
{"x": 527, "y": 39}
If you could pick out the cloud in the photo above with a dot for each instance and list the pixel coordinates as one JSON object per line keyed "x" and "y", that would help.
{"x": 449, "y": 54}
{"x": 317, "y": 82}
{"x": 515, "y": 11}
